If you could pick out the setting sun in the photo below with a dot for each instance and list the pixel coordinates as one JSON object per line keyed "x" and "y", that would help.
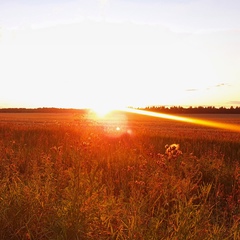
{"x": 102, "y": 110}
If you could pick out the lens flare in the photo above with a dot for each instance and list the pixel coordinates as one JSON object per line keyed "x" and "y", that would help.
{"x": 226, "y": 126}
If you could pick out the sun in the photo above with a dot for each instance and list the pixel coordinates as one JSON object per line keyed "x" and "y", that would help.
{"x": 102, "y": 110}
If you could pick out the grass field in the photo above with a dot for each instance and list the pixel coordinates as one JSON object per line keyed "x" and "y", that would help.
{"x": 71, "y": 176}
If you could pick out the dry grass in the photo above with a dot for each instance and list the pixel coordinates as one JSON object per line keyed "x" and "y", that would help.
{"x": 78, "y": 180}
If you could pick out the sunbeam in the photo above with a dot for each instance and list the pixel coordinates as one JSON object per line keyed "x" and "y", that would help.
{"x": 226, "y": 126}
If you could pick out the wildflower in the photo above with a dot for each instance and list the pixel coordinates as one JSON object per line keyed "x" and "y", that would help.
{"x": 172, "y": 151}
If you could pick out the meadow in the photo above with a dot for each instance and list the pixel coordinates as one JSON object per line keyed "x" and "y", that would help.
{"x": 74, "y": 176}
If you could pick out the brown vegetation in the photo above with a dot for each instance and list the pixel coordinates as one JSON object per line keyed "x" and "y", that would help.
{"x": 76, "y": 179}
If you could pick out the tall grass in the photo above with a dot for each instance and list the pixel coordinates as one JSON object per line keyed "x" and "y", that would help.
{"x": 74, "y": 181}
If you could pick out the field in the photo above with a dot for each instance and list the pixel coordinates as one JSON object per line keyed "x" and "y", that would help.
{"x": 73, "y": 176}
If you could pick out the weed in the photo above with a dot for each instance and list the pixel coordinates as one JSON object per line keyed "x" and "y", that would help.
{"x": 74, "y": 181}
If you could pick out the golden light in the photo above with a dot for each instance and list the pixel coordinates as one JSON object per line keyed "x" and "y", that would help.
{"x": 117, "y": 119}
{"x": 226, "y": 126}
{"x": 102, "y": 111}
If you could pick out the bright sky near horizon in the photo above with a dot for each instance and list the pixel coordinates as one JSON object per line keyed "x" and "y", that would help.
{"x": 80, "y": 54}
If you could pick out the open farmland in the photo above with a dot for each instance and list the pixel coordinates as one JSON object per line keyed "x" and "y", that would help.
{"x": 75, "y": 176}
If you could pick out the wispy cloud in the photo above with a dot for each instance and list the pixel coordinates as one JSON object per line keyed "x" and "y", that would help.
{"x": 208, "y": 88}
{"x": 221, "y": 85}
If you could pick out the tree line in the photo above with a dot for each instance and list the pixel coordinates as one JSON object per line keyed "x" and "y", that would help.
{"x": 194, "y": 110}
{"x": 162, "y": 109}
{"x": 41, "y": 110}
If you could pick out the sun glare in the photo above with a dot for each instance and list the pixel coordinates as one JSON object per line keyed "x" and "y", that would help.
{"x": 226, "y": 126}
{"x": 103, "y": 110}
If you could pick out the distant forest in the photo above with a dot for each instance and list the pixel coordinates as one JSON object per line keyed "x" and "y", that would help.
{"x": 162, "y": 109}
{"x": 42, "y": 110}
{"x": 193, "y": 110}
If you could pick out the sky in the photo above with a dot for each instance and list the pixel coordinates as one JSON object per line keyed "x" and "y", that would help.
{"x": 81, "y": 54}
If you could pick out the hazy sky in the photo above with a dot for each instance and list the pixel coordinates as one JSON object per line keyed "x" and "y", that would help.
{"x": 75, "y": 53}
